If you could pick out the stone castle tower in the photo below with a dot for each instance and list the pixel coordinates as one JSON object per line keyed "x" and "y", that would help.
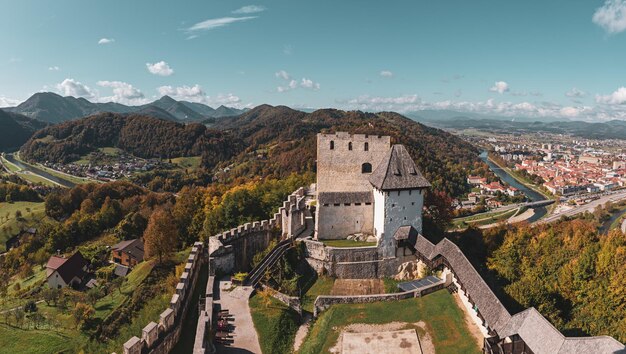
{"x": 365, "y": 185}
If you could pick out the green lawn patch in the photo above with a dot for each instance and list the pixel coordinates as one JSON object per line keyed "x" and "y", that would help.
{"x": 444, "y": 320}
{"x": 275, "y": 324}
{"x": 191, "y": 163}
{"x": 16, "y": 341}
{"x": 347, "y": 243}
{"x": 10, "y": 225}
{"x": 322, "y": 286}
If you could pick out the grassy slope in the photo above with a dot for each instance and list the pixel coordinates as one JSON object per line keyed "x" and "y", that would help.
{"x": 439, "y": 311}
{"x": 16, "y": 340}
{"x": 275, "y": 324}
{"x": 322, "y": 286}
{"x": 12, "y": 224}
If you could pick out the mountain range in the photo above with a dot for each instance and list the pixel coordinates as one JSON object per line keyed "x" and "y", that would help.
{"x": 52, "y": 108}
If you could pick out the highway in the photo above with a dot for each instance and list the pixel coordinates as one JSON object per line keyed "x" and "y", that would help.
{"x": 590, "y": 207}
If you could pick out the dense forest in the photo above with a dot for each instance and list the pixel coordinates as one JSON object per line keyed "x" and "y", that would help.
{"x": 571, "y": 273}
{"x": 16, "y": 129}
{"x": 141, "y": 136}
{"x": 280, "y": 140}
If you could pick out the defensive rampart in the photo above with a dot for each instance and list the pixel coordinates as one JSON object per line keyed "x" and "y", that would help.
{"x": 161, "y": 337}
{"x": 232, "y": 251}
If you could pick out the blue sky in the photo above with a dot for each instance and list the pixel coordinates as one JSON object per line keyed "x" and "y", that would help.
{"x": 533, "y": 58}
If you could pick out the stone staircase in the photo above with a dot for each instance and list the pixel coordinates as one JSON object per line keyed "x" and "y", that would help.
{"x": 268, "y": 261}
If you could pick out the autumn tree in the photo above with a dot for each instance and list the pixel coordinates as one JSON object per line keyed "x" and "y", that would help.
{"x": 82, "y": 313}
{"x": 160, "y": 236}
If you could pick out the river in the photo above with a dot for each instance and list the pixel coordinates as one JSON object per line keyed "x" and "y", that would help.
{"x": 40, "y": 172}
{"x": 507, "y": 178}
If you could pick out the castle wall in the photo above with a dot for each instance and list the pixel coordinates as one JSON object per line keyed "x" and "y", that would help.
{"x": 342, "y": 220}
{"x": 233, "y": 250}
{"x": 402, "y": 208}
{"x": 339, "y": 169}
{"x": 353, "y": 262}
{"x": 160, "y": 338}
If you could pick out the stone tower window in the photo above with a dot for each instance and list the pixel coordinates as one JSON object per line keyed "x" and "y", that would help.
{"x": 366, "y": 147}
{"x": 366, "y": 168}
{"x": 332, "y": 145}
{"x": 350, "y": 146}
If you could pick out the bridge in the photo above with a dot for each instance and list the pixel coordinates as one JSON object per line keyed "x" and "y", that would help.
{"x": 539, "y": 203}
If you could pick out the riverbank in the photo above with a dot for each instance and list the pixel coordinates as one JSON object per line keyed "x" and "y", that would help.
{"x": 34, "y": 174}
{"x": 522, "y": 180}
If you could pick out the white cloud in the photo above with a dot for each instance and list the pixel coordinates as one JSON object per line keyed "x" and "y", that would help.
{"x": 500, "y": 87}
{"x": 123, "y": 93}
{"x": 306, "y": 83}
{"x": 283, "y": 74}
{"x": 106, "y": 41}
{"x": 616, "y": 98}
{"x": 8, "y": 102}
{"x": 249, "y": 9}
{"x": 186, "y": 93}
{"x": 161, "y": 68}
{"x": 611, "y": 16}
{"x": 71, "y": 87}
{"x": 215, "y": 23}
{"x": 291, "y": 84}
{"x": 386, "y": 73}
{"x": 54, "y": 68}
{"x": 195, "y": 93}
{"x": 574, "y": 92}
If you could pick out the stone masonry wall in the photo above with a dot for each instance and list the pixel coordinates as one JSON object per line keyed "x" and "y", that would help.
{"x": 325, "y": 301}
{"x": 161, "y": 337}
{"x": 353, "y": 262}
{"x": 232, "y": 251}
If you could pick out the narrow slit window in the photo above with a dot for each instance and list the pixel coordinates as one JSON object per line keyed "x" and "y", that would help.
{"x": 332, "y": 145}
{"x": 366, "y": 147}
{"x": 350, "y": 146}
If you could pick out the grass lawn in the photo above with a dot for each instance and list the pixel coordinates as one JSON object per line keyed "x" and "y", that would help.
{"x": 483, "y": 218}
{"x": 191, "y": 163}
{"x": 10, "y": 166}
{"x": 10, "y": 225}
{"x": 322, "y": 286}
{"x": 347, "y": 243}
{"x": 444, "y": 320}
{"x": 276, "y": 325}
{"x": 15, "y": 340}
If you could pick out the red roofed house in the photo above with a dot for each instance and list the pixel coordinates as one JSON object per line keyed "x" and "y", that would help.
{"x": 62, "y": 272}
{"x": 128, "y": 253}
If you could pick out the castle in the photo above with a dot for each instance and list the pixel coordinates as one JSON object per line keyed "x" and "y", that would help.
{"x": 367, "y": 186}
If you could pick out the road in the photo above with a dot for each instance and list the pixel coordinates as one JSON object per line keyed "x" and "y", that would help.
{"x": 590, "y": 207}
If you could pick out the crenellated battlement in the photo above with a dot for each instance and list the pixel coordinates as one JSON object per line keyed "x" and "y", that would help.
{"x": 234, "y": 249}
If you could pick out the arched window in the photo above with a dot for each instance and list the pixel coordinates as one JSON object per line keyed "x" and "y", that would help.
{"x": 332, "y": 145}
{"x": 350, "y": 146}
{"x": 366, "y": 168}
{"x": 367, "y": 147}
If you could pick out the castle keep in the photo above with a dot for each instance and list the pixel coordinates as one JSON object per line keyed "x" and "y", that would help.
{"x": 367, "y": 186}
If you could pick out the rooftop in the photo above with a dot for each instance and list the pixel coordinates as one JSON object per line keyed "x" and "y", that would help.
{"x": 398, "y": 171}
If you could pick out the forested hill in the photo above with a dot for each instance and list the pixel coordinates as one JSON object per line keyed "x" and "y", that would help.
{"x": 281, "y": 140}
{"x": 16, "y": 129}
{"x": 139, "y": 135}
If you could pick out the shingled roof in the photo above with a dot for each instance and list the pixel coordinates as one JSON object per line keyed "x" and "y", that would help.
{"x": 398, "y": 171}
{"x": 534, "y": 329}
{"x": 68, "y": 268}
{"x": 132, "y": 247}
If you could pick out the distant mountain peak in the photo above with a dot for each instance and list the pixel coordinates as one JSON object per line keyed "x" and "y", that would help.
{"x": 53, "y": 108}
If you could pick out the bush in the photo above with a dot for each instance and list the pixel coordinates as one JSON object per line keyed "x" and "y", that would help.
{"x": 30, "y": 306}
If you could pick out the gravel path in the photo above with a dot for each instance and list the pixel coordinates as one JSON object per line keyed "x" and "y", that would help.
{"x": 245, "y": 339}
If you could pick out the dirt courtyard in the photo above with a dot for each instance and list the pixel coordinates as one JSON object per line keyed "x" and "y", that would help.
{"x": 358, "y": 287}
{"x": 397, "y": 342}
